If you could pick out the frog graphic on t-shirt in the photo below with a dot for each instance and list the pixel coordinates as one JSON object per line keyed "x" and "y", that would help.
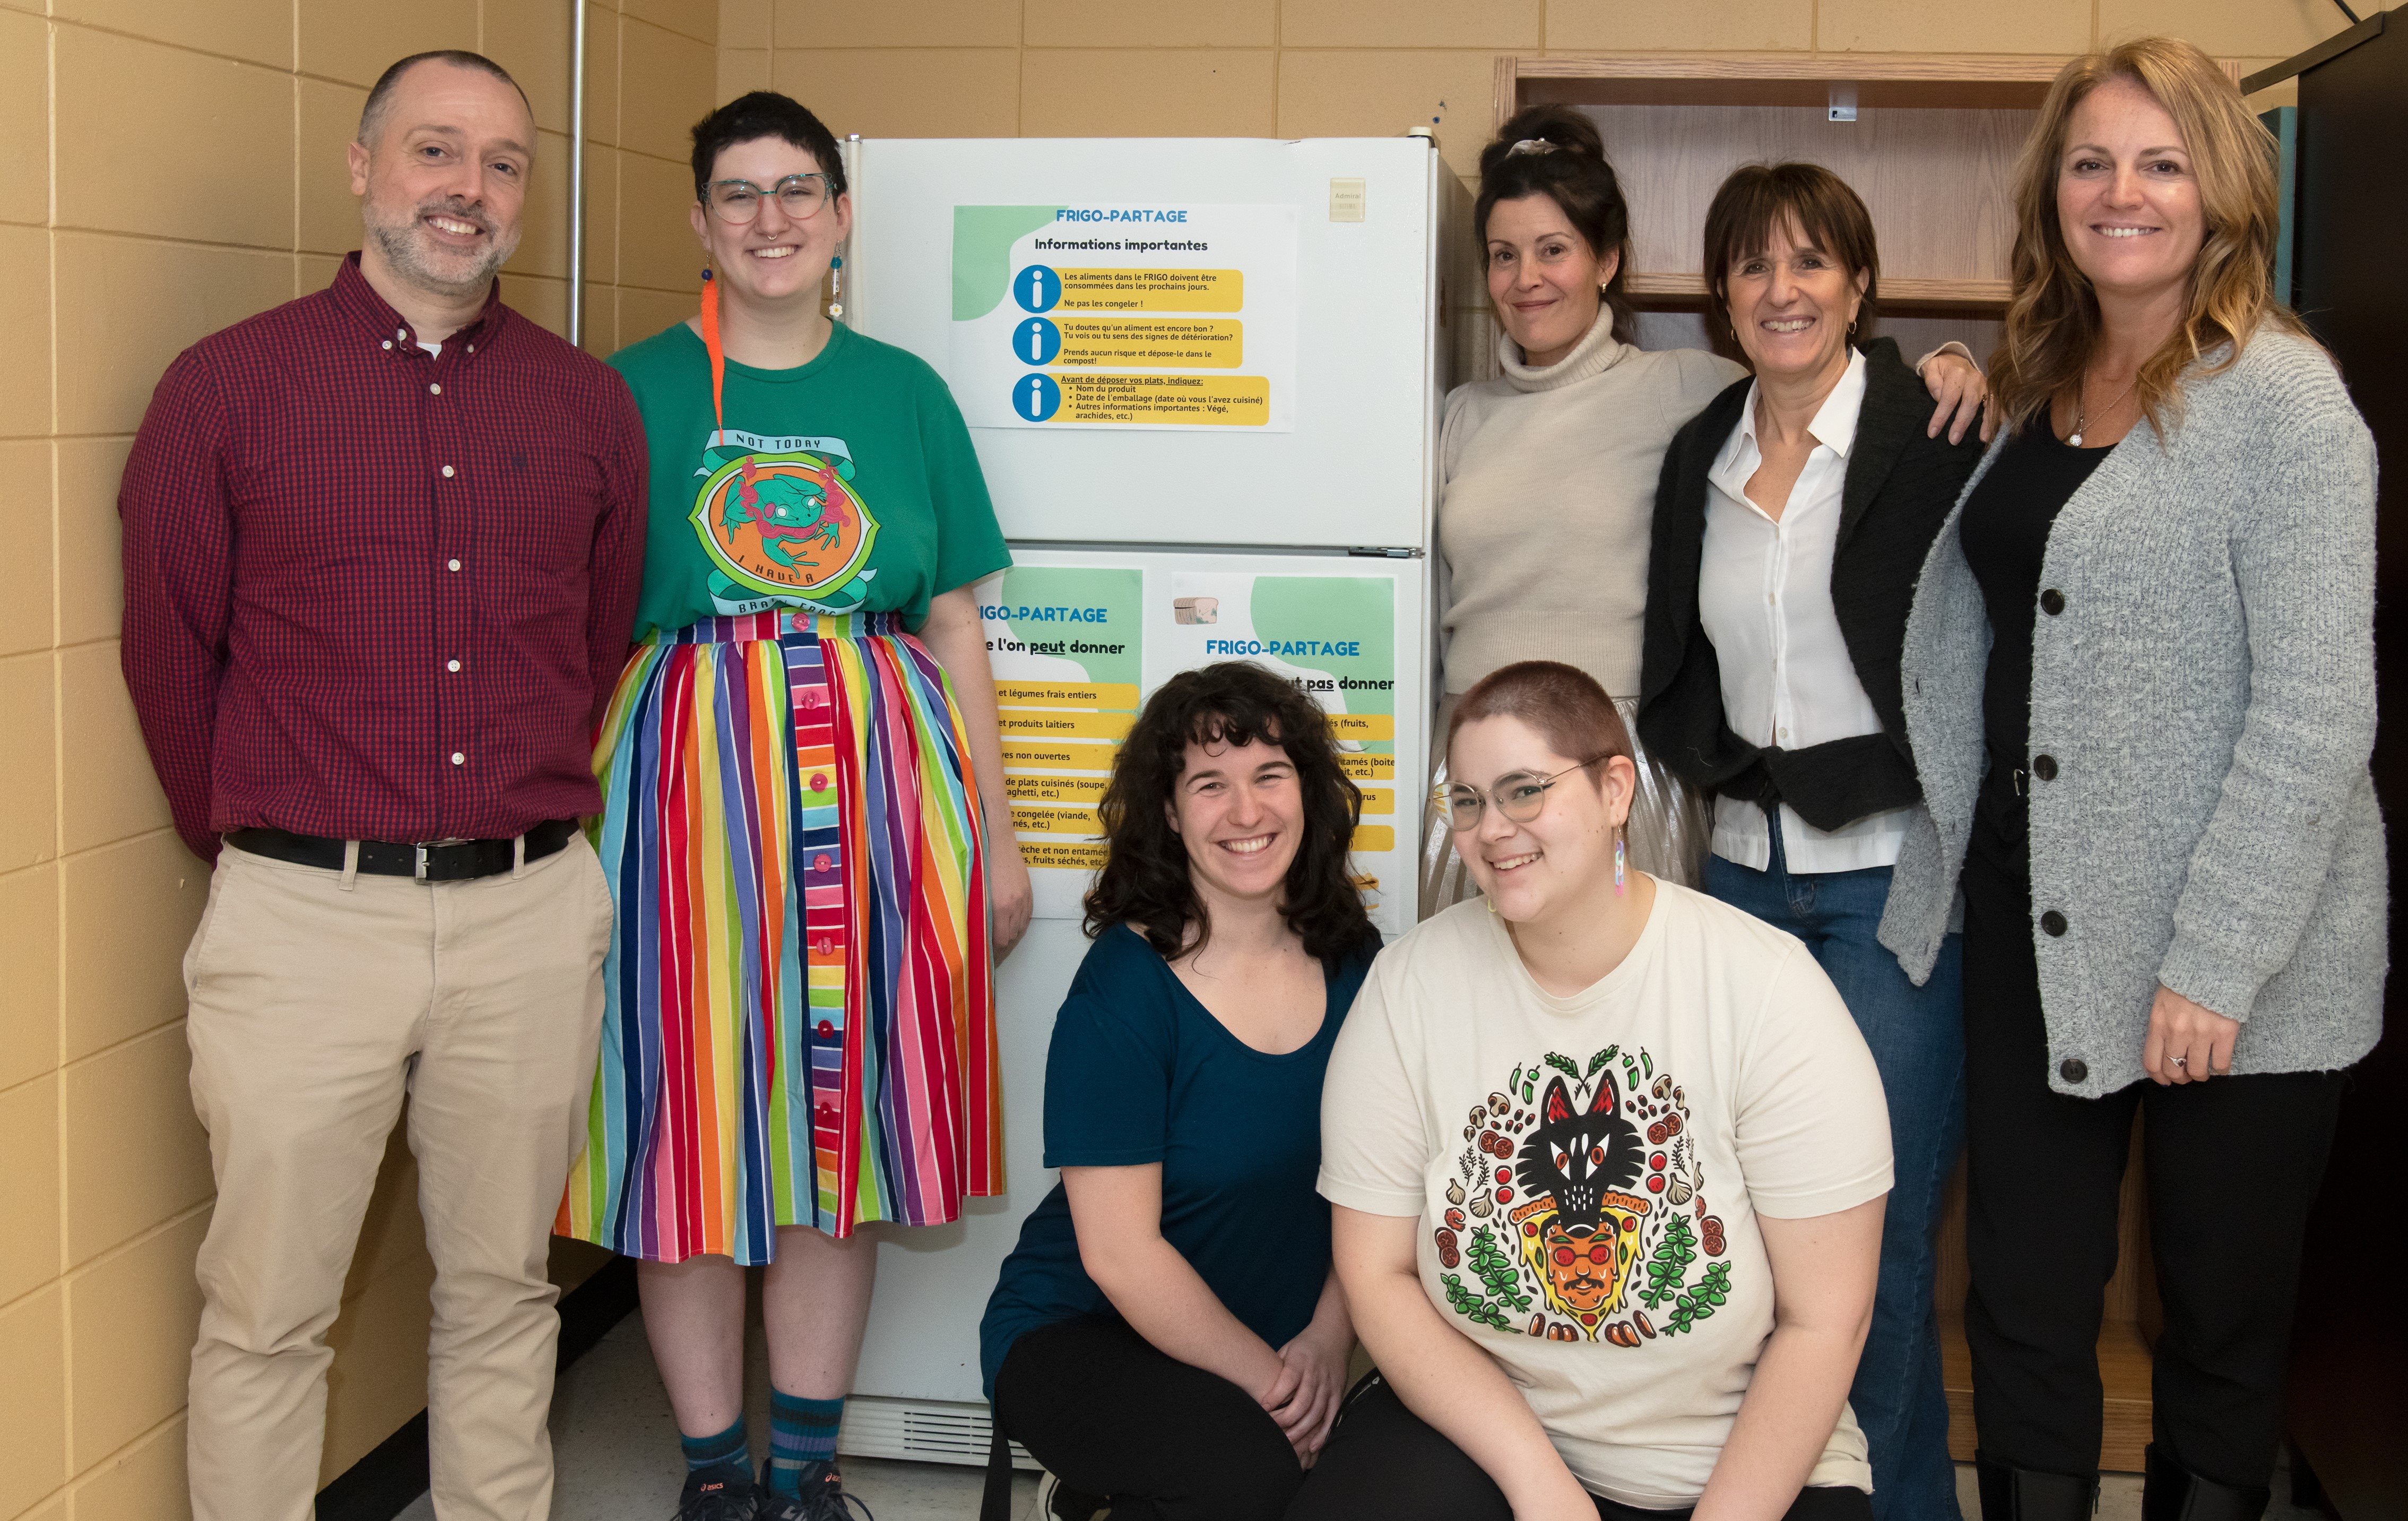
{"x": 1578, "y": 1207}
{"x": 782, "y": 525}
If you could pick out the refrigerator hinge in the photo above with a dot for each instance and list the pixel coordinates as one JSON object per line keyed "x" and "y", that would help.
{"x": 1383, "y": 554}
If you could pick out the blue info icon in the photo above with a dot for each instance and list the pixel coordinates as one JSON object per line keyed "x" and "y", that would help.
{"x": 1036, "y": 288}
{"x": 1036, "y": 341}
{"x": 1036, "y": 398}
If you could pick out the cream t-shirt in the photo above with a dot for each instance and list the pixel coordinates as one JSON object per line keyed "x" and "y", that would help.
{"x": 1588, "y": 1170}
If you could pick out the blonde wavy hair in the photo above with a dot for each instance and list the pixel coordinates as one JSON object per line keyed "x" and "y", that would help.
{"x": 2053, "y": 319}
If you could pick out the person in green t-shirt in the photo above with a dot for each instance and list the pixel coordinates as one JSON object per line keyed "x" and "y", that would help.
{"x": 804, "y": 827}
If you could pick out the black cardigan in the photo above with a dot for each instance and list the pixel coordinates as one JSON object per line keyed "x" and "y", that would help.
{"x": 1900, "y": 488}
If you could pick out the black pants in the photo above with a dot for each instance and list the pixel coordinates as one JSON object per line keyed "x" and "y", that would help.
{"x": 2233, "y": 1165}
{"x": 1109, "y": 1414}
{"x": 1385, "y": 1463}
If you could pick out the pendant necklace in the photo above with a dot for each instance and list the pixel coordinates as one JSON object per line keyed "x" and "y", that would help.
{"x": 2081, "y": 414}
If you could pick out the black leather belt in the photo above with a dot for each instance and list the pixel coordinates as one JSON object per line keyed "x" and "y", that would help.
{"x": 448, "y": 860}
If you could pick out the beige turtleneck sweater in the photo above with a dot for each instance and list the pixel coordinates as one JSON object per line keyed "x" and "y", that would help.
{"x": 1547, "y": 494}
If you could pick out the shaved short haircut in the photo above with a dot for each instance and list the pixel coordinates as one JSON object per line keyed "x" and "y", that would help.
{"x": 381, "y": 97}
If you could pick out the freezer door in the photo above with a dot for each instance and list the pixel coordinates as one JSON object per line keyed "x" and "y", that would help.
{"x": 1170, "y": 341}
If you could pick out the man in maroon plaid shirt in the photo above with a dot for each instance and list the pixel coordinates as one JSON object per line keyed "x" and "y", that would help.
{"x": 382, "y": 545}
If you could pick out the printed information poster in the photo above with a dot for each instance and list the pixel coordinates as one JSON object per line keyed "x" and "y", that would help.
{"x": 1335, "y": 636}
{"x": 1064, "y": 642}
{"x": 1124, "y": 316}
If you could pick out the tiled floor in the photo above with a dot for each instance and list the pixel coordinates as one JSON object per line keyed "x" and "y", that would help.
{"x": 616, "y": 1447}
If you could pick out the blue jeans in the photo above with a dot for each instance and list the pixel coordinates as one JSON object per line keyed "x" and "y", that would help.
{"x": 1917, "y": 1035}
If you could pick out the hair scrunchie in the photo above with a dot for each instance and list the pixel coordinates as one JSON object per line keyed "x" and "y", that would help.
{"x": 1532, "y": 144}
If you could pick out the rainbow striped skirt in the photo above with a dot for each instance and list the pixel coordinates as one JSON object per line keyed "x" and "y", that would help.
{"x": 800, "y": 1019}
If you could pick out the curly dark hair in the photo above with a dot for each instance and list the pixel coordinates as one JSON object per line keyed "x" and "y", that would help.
{"x": 1145, "y": 880}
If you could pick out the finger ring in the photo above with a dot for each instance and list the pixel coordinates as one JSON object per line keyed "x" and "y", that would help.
{"x": 2182, "y": 1061}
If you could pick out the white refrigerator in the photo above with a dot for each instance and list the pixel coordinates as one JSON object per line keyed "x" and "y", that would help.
{"x": 1203, "y": 378}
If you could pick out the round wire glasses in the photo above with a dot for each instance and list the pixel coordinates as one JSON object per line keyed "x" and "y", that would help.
{"x": 737, "y": 202}
{"x": 1518, "y": 794}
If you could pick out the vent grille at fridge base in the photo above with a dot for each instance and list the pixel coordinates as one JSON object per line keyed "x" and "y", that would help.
{"x": 922, "y": 1430}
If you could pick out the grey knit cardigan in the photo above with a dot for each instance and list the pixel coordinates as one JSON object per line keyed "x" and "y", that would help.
{"x": 2206, "y": 688}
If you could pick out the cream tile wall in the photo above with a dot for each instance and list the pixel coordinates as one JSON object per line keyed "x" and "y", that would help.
{"x": 1290, "y": 69}
{"x": 935, "y": 68}
{"x": 168, "y": 167}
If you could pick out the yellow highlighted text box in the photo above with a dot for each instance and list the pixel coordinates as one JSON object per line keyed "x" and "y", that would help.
{"x": 1119, "y": 695}
{"x": 1056, "y": 855}
{"x": 1056, "y": 821}
{"x": 1020, "y": 755}
{"x": 1152, "y": 290}
{"x": 1169, "y": 343}
{"x": 1197, "y": 400}
{"x": 1361, "y": 768}
{"x": 1084, "y": 791}
{"x": 1036, "y": 723}
{"x": 1363, "y": 726}
{"x": 1379, "y": 799}
{"x": 1367, "y": 836}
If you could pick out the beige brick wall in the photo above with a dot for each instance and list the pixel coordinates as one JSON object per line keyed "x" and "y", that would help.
{"x": 168, "y": 168}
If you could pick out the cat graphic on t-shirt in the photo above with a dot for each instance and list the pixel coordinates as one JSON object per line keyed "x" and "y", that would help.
{"x": 1583, "y": 1231}
{"x": 1574, "y": 1155}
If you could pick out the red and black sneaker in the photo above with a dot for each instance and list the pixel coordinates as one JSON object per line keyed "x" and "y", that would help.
{"x": 823, "y": 1499}
{"x": 722, "y": 1492}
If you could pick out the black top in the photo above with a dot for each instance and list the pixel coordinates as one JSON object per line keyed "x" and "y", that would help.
{"x": 2005, "y": 533}
{"x": 1899, "y": 487}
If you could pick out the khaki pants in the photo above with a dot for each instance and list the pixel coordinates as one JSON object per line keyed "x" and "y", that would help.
{"x": 316, "y": 1006}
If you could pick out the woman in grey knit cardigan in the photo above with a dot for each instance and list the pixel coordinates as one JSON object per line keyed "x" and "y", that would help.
{"x": 2140, "y": 689}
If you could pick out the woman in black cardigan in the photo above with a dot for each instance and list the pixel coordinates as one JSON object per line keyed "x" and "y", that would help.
{"x": 1792, "y": 518}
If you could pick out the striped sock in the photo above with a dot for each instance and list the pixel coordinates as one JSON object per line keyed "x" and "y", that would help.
{"x": 801, "y": 1431}
{"x": 728, "y": 1446}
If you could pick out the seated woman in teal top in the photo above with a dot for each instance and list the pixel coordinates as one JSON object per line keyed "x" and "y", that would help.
{"x": 1168, "y": 1335}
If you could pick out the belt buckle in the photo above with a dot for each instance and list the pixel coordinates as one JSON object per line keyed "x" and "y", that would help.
{"x": 421, "y": 855}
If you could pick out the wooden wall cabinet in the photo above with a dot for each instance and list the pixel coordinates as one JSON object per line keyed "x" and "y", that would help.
{"x": 1931, "y": 148}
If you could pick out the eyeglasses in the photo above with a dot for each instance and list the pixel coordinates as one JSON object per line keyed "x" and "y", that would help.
{"x": 737, "y": 202}
{"x": 1600, "y": 1254}
{"x": 1519, "y": 796}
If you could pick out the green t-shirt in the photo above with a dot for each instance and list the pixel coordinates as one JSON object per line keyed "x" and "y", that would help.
{"x": 845, "y": 485}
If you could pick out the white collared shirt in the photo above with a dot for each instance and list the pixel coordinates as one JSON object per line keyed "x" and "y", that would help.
{"x": 1764, "y": 599}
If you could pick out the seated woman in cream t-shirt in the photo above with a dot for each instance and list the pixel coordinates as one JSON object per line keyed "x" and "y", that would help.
{"x": 1608, "y": 1164}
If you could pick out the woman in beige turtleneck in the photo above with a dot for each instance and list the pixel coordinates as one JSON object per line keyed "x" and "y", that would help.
{"x": 1548, "y": 477}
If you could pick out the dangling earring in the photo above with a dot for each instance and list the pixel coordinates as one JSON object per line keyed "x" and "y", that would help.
{"x": 711, "y": 346}
{"x": 1618, "y": 835}
{"x": 836, "y": 286}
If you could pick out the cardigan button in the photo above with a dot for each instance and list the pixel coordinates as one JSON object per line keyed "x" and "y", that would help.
{"x": 2044, "y": 768}
{"x": 2073, "y": 1069}
{"x": 2052, "y": 602}
{"x": 2052, "y": 922}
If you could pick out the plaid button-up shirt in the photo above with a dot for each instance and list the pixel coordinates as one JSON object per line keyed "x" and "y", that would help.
{"x": 375, "y": 593}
